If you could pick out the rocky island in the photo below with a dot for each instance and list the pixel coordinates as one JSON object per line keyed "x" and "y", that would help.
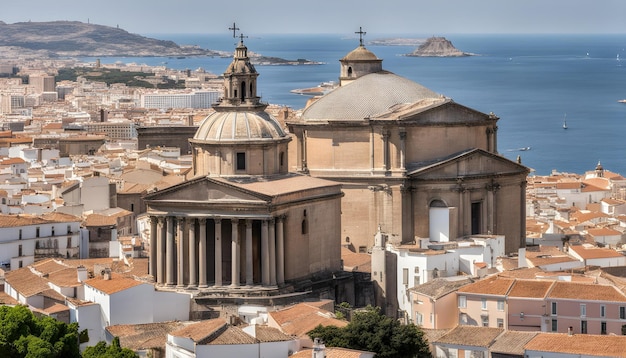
{"x": 438, "y": 47}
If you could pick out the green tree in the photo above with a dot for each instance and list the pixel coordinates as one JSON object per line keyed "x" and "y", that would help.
{"x": 101, "y": 350}
{"x": 24, "y": 335}
{"x": 372, "y": 331}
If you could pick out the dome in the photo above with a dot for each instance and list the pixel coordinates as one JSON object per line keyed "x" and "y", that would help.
{"x": 360, "y": 54}
{"x": 240, "y": 127}
{"x": 368, "y": 96}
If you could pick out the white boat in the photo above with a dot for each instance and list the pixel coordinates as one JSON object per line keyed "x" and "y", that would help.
{"x": 564, "y": 123}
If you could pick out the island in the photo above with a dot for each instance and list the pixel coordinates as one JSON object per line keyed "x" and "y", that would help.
{"x": 438, "y": 47}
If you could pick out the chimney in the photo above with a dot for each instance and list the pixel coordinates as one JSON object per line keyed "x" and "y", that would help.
{"x": 521, "y": 257}
{"x": 570, "y": 331}
{"x": 319, "y": 349}
{"x": 82, "y": 273}
{"x": 106, "y": 273}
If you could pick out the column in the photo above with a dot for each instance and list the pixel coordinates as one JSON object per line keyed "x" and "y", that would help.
{"x": 402, "y": 149}
{"x": 169, "y": 252}
{"x": 180, "y": 252}
{"x": 191, "y": 224}
{"x": 153, "y": 247}
{"x": 249, "y": 262}
{"x": 202, "y": 254}
{"x": 218, "y": 252}
{"x": 372, "y": 149}
{"x": 161, "y": 250}
{"x": 272, "y": 249}
{"x": 265, "y": 254}
{"x": 235, "y": 253}
{"x": 280, "y": 251}
{"x": 385, "y": 136}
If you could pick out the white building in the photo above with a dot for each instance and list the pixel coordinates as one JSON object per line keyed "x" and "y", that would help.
{"x": 196, "y": 99}
{"x": 24, "y": 237}
{"x": 427, "y": 260}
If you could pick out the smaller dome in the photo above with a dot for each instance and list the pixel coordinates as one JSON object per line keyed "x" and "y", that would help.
{"x": 239, "y": 126}
{"x": 360, "y": 54}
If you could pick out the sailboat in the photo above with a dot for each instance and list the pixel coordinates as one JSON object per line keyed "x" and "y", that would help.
{"x": 564, "y": 123}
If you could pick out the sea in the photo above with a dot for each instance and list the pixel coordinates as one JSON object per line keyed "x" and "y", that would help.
{"x": 534, "y": 83}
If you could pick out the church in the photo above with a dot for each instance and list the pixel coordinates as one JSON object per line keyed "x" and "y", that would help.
{"x": 242, "y": 225}
{"x": 412, "y": 163}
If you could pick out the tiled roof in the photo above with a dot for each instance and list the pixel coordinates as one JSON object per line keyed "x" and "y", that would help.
{"x": 145, "y": 336}
{"x": 100, "y": 220}
{"x": 356, "y": 262}
{"x": 25, "y": 220}
{"x": 594, "y": 252}
{"x": 579, "y": 344}
{"x": 586, "y": 291}
{"x": 301, "y": 318}
{"x": 471, "y": 336}
{"x": 26, "y": 282}
{"x": 280, "y": 185}
{"x": 530, "y": 288}
{"x": 439, "y": 287}
{"x": 116, "y": 284}
{"x": 331, "y": 352}
{"x": 512, "y": 342}
{"x": 493, "y": 285}
{"x": 5, "y": 299}
{"x": 214, "y": 331}
{"x": 270, "y": 334}
{"x": 603, "y": 231}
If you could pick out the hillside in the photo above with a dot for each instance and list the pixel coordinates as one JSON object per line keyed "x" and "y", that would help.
{"x": 438, "y": 47}
{"x": 73, "y": 38}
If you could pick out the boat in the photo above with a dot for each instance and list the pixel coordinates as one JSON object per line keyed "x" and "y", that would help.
{"x": 622, "y": 101}
{"x": 318, "y": 90}
{"x": 564, "y": 122}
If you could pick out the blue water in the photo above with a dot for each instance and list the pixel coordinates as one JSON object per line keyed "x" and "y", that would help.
{"x": 532, "y": 82}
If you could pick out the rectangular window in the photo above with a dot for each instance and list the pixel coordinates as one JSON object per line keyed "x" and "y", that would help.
{"x": 485, "y": 321}
{"x": 69, "y": 229}
{"x": 622, "y": 312}
{"x": 19, "y": 250}
{"x": 500, "y": 323}
{"x": 483, "y": 303}
{"x": 583, "y": 327}
{"x": 20, "y": 234}
{"x": 463, "y": 318}
{"x": 419, "y": 319}
{"x": 462, "y": 301}
{"x": 603, "y": 311}
{"x": 416, "y": 280}
{"x": 554, "y": 308}
{"x": 241, "y": 161}
{"x": 555, "y": 326}
{"x": 583, "y": 310}
{"x": 500, "y": 305}
{"x": 603, "y": 327}
{"x": 37, "y": 232}
{"x": 405, "y": 276}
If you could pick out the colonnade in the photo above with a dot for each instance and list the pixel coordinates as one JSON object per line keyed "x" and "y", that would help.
{"x": 190, "y": 252}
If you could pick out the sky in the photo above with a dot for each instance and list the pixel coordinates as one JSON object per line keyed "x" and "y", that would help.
{"x": 433, "y": 17}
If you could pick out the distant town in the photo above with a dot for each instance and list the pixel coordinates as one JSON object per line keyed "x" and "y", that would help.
{"x": 141, "y": 201}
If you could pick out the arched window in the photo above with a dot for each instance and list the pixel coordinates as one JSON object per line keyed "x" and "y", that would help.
{"x": 305, "y": 224}
{"x": 243, "y": 91}
{"x": 349, "y": 71}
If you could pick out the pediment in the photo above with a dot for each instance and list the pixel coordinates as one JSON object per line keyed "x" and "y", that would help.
{"x": 441, "y": 112}
{"x": 471, "y": 163}
{"x": 204, "y": 190}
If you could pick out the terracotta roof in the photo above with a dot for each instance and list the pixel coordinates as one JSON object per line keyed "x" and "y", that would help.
{"x": 283, "y": 184}
{"x": 270, "y": 334}
{"x": 530, "y": 289}
{"x": 471, "y": 336}
{"x": 594, "y": 252}
{"x": 25, "y": 220}
{"x": 145, "y": 336}
{"x": 493, "y": 285}
{"x": 26, "y": 282}
{"x": 331, "y": 352}
{"x": 586, "y": 291}
{"x": 512, "y": 342}
{"x": 5, "y": 299}
{"x": 100, "y": 220}
{"x": 117, "y": 283}
{"x": 579, "y": 344}
{"x": 356, "y": 262}
{"x": 439, "y": 287}
{"x": 603, "y": 231}
{"x": 56, "y": 308}
{"x": 214, "y": 331}
{"x": 301, "y": 318}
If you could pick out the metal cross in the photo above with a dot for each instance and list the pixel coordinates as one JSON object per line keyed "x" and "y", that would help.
{"x": 361, "y": 33}
{"x": 234, "y": 28}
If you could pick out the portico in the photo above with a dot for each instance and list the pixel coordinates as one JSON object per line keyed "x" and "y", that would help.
{"x": 206, "y": 251}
